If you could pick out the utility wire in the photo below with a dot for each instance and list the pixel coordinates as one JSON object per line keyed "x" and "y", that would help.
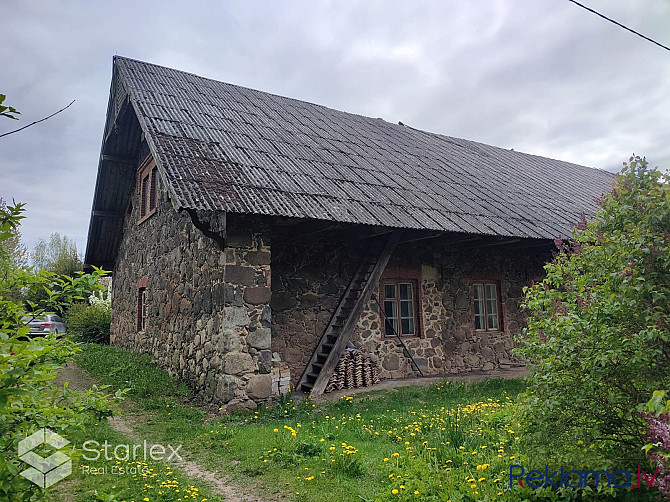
{"x": 620, "y": 25}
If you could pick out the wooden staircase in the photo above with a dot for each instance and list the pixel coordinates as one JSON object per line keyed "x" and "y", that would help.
{"x": 342, "y": 324}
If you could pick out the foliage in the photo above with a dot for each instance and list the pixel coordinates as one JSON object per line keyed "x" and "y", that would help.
{"x": 28, "y": 366}
{"x": 13, "y": 254}
{"x": 89, "y": 323}
{"x": 657, "y": 433}
{"x": 7, "y": 111}
{"x": 598, "y": 339}
{"x": 58, "y": 254}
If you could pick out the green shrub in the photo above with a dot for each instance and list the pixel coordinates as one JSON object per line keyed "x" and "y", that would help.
{"x": 89, "y": 323}
{"x": 597, "y": 341}
{"x": 29, "y": 399}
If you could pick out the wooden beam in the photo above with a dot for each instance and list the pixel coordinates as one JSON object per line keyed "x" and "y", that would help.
{"x": 118, "y": 160}
{"x": 107, "y": 214}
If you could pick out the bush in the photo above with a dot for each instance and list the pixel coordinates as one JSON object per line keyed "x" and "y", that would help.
{"x": 89, "y": 323}
{"x": 29, "y": 399}
{"x": 597, "y": 341}
{"x": 657, "y": 420}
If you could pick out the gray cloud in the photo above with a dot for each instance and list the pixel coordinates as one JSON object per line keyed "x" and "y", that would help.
{"x": 543, "y": 77}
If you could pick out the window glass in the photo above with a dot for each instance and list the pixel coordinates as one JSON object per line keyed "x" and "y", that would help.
{"x": 391, "y": 314}
{"x": 154, "y": 186}
{"x": 145, "y": 191}
{"x": 141, "y": 308}
{"x": 389, "y": 291}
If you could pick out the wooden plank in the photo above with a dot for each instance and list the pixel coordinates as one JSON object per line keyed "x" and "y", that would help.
{"x": 354, "y": 316}
{"x": 118, "y": 160}
{"x": 107, "y": 214}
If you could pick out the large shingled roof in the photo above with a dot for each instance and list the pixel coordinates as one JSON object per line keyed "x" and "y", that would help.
{"x": 224, "y": 147}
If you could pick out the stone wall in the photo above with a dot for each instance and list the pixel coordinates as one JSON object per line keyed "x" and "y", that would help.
{"x": 208, "y": 315}
{"x": 449, "y": 343}
{"x": 215, "y": 317}
{"x": 310, "y": 275}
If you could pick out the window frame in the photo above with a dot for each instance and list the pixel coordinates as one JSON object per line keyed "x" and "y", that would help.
{"x": 141, "y": 306}
{"x": 147, "y": 189}
{"x": 500, "y": 314}
{"x": 397, "y": 299}
{"x": 397, "y": 274}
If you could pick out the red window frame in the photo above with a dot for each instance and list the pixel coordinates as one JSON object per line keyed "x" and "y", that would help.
{"x": 404, "y": 306}
{"x": 147, "y": 188}
{"x": 141, "y": 312}
{"x": 401, "y": 274}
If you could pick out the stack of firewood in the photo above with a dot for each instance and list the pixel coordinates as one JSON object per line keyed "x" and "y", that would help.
{"x": 353, "y": 370}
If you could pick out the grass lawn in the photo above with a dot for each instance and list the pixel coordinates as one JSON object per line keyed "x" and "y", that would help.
{"x": 443, "y": 442}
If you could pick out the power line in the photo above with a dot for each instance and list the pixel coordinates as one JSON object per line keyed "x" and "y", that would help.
{"x": 620, "y": 25}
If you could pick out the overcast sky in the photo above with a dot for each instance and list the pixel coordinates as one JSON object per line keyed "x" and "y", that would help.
{"x": 543, "y": 76}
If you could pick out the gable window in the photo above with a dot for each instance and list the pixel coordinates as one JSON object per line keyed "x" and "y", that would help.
{"x": 399, "y": 300}
{"x": 141, "y": 308}
{"x": 486, "y": 305}
{"x": 147, "y": 187}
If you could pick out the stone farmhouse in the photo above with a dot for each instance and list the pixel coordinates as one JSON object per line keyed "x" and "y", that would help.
{"x": 254, "y": 238}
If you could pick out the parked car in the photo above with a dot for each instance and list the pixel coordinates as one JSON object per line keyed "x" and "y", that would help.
{"x": 43, "y": 324}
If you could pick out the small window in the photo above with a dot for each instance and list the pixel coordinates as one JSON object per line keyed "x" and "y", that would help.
{"x": 399, "y": 300}
{"x": 486, "y": 306}
{"x": 147, "y": 188}
{"x": 141, "y": 308}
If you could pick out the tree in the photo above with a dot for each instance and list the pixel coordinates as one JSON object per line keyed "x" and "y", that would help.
{"x": 14, "y": 254}
{"x": 28, "y": 398}
{"x": 598, "y": 339}
{"x": 58, "y": 254}
{"x": 7, "y": 111}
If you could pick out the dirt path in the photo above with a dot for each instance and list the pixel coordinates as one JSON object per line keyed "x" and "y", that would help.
{"x": 219, "y": 483}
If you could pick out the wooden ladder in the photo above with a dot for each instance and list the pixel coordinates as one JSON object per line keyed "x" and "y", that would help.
{"x": 341, "y": 326}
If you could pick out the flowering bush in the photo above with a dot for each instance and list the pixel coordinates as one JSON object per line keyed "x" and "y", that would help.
{"x": 657, "y": 433}
{"x": 597, "y": 337}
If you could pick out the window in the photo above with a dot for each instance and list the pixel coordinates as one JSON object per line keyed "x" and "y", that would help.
{"x": 486, "y": 306}
{"x": 141, "y": 308}
{"x": 399, "y": 300}
{"x": 147, "y": 187}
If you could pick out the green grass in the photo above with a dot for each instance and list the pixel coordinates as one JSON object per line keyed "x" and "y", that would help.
{"x": 102, "y": 479}
{"x": 442, "y": 442}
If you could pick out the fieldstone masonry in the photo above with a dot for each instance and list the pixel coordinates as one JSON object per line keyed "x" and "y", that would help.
{"x": 312, "y": 275}
{"x": 208, "y": 314}
{"x": 239, "y": 324}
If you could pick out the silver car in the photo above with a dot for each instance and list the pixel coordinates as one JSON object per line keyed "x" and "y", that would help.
{"x": 43, "y": 324}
